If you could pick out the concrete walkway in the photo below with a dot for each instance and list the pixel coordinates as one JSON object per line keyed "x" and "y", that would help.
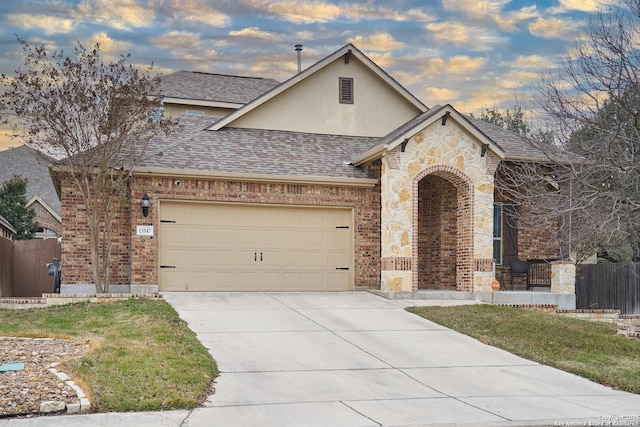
{"x": 356, "y": 359}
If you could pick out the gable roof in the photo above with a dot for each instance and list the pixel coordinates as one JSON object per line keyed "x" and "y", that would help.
{"x": 418, "y": 123}
{"x": 261, "y": 154}
{"x": 186, "y": 86}
{"x": 349, "y": 49}
{"x": 33, "y": 166}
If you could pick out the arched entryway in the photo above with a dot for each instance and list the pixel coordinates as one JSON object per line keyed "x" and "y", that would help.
{"x": 443, "y": 238}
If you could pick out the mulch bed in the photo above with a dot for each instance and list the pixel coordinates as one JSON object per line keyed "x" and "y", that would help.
{"x": 21, "y": 392}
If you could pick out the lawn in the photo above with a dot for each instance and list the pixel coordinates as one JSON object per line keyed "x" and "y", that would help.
{"x": 143, "y": 356}
{"x": 588, "y": 349}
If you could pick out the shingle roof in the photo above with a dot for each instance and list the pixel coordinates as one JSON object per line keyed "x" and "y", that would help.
{"x": 29, "y": 164}
{"x": 514, "y": 146}
{"x": 214, "y": 87}
{"x": 256, "y": 151}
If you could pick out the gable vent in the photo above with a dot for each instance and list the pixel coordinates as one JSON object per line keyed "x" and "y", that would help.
{"x": 346, "y": 90}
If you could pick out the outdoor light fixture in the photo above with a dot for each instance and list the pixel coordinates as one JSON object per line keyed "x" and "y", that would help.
{"x": 145, "y": 205}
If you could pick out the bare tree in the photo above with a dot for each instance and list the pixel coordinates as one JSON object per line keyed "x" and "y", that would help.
{"x": 95, "y": 116}
{"x": 588, "y": 174}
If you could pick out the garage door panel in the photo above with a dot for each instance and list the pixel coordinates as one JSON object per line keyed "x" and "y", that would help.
{"x": 218, "y": 246}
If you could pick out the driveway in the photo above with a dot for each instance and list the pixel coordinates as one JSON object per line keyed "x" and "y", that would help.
{"x": 356, "y": 359}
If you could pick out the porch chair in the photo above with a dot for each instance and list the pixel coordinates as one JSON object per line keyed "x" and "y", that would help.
{"x": 519, "y": 268}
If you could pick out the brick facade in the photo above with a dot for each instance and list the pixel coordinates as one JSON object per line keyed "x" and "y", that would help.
{"x": 136, "y": 257}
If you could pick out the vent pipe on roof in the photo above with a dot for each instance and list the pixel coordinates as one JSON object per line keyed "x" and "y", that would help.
{"x": 299, "y": 51}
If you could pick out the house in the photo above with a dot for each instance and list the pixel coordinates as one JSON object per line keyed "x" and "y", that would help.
{"x": 6, "y": 229}
{"x": 334, "y": 180}
{"x": 41, "y": 194}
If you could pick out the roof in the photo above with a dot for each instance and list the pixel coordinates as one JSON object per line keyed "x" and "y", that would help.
{"x": 256, "y": 152}
{"x": 33, "y": 166}
{"x": 4, "y": 223}
{"x": 515, "y": 146}
{"x": 348, "y": 49}
{"x": 196, "y": 85}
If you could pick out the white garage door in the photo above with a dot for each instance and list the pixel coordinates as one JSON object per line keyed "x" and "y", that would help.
{"x": 233, "y": 247}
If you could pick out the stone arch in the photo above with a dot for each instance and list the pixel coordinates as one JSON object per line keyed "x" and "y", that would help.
{"x": 464, "y": 224}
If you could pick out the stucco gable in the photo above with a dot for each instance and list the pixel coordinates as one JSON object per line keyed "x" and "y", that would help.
{"x": 308, "y": 102}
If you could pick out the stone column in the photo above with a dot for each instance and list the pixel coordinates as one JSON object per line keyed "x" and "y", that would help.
{"x": 563, "y": 277}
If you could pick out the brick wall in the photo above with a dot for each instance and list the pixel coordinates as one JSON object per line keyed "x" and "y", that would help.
{"x": 138, "y": 254}
{"x": 44, "y": 218}
{"x": 76, "y": 259}
{"x": 437, "y": 234}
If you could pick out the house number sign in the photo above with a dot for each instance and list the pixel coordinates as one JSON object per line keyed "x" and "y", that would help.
{"x": 144, "y": 230}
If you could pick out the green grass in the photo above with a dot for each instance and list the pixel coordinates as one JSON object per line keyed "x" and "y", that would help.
{"x": 589, "y": 349}
{"x": 143, "y": 356}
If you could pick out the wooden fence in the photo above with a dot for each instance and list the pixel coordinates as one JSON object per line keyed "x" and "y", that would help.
{"x": 6, "y": 267}
{"x": 608, "y": 286}
{"x": 22, "y": 267}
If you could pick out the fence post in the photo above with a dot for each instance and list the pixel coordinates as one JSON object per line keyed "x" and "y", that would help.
{"x": 563, "y": 277}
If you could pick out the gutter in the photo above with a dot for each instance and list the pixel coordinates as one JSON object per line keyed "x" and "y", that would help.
{"x": 266, "y": 178}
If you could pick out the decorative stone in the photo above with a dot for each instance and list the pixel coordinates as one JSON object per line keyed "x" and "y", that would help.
{"x": 51, "y": 406}
{"x": 404, "y": 241}
{"x": 73, "y": 408}
{"x": 85, "y": 405}
{"x": 404, "y": 195}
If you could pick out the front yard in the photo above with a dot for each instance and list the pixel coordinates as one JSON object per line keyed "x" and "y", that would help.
{"x": 589, "y": 349}
{"x": 142, "y": 356}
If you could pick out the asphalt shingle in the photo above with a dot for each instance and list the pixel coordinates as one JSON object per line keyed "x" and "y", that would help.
{"x": 214, "y": 87}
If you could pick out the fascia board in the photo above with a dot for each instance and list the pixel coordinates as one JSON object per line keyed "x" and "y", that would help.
{"x": 201, "y": 102}
{"x": 249, "y": 177}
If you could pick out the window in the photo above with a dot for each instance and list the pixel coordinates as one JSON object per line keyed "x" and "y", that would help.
{"x": 346, "y": 90}
{"x": 505, "y": 233}
{"x": 497, "y": 232}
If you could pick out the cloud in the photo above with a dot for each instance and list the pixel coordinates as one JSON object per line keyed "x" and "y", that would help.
{"x": 48, "y": 24}
{"x": 460, "y": 64}
{"x": 492, "y": 11}
{"x": 254, "y": 33}
{"x": 439, "y": 95}
{"x": 583, "y": 5}
{"x": 554, "y": 28}
{"x": 119, "y": 14}
{"x": 176, "y": 40}
{"x": 531, "y": 62}
{"x": 108, "y": 46}
{"x": 305, "y": 12}
{"x": 379, "y": 41}
{"x": 197, "y": 11}
{"x": 458, "y": 33}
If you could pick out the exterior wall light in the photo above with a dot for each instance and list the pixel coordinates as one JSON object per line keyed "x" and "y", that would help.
{"x": 145, "y": 205}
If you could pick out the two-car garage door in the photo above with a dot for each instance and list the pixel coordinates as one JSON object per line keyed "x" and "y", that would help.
{"x": 236, "y": 247}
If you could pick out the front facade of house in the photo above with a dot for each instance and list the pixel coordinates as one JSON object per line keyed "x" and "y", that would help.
{"x": 334, "y": 180}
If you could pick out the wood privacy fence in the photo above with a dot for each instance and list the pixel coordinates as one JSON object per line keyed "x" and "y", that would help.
{"x": 22, "y": 267}
{"x": 608, "y": 286}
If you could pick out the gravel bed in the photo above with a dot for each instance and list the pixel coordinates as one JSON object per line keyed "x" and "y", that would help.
{"x": 21, "y": 392}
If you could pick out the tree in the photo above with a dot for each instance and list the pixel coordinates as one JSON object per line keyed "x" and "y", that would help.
{"x": 13, "y": 207}
{"x": 594, "y": 104}
{"x": 95, "y": 115}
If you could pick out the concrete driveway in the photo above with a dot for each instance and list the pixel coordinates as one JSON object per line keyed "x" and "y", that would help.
{"x": 356, "y": 359}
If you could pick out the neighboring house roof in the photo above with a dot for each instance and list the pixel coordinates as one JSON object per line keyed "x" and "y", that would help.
{"x": 38, "y": 199}
{"x": 196, "y": 85}
{"x": 30, "y": 165}
{"x": 4, "y": 223}
{"x": 346, "y": 51}
{"x": 255, "y": 152}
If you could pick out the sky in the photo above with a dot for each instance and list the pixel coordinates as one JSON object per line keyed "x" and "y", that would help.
{"x": 473, "y": 54}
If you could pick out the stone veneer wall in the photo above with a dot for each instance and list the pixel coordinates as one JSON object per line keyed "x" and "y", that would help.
{"x": 449, "y": 152}
{"x": 365, "y": 201}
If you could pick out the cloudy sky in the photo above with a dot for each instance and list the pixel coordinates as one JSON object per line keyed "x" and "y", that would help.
{"x": 474, "y": 54}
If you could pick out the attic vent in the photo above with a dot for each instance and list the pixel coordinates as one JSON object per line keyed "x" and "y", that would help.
{"x": 346, "y": 90}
